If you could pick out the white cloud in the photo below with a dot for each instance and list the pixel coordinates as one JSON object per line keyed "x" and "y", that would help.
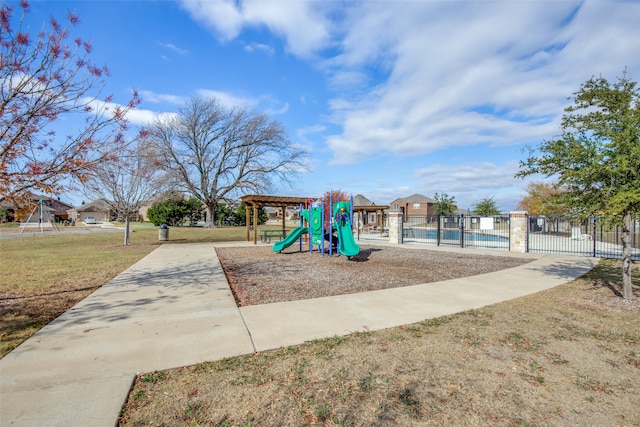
{"x": 227, "y": 99}
{"x": 222, "y": 16}
{"x": 456, "y": 74}
{"x": 175, "y": 49}
{"x": 302, "y": 24}
{"x": 304, "y": 132}
{"x": 141, "y": 117}
{"x": 469, "y": 183}
{"x": 149, "y": 96}
{"x": 278, "y": 111}
{"x": 258, "y": 47}
{"x": 135, "y": 116}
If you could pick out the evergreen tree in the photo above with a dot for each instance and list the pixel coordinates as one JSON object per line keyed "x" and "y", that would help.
{"x": 596, "y": 158}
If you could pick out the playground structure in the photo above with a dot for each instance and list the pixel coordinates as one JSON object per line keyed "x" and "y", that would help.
{"x": 44, "y": 217}
{"x": 340, "y": 222}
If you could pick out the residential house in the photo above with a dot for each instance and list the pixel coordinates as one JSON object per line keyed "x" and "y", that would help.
{"x": 416, "y": 204}
{"x": 42, "y": 208}
{"x": 98, "y": 209}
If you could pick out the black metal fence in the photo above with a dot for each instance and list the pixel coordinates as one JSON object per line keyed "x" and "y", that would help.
{"x": 557, "y": 235}
{"x": 469, "y": 231}
{"x": 564, "y": 235}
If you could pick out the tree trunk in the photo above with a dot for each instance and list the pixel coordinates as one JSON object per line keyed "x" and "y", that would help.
{"x": 127, "y": 228}
{"x": 627, "y": 287}
{"x": 210, "y": 222}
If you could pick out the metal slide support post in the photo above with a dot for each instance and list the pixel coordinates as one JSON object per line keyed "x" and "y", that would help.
{"x": 310, "y": 228}
{"x": 351, "y": 215}
{"x": 322, "y": 228}
{"x": 301, "y": 223}
{"x": 330, "y": 225}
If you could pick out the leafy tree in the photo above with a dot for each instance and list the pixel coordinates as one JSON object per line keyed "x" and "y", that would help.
{"x": 543, "y": 199}
{"x": 224, "y": 215}
{"x": 125, "y": 183}
{"x": 193, "y": 210}
{"x": 6, "y": 215}
{"x": 215, "y": 153}
{"x": 486, "y": 206}
{"x": 44, "y": 79}
{"x": 445, "y": 204}
{"x": 241, "y": 216}
{"x": 171, "y": 211}
{"x": 596, "y": 158}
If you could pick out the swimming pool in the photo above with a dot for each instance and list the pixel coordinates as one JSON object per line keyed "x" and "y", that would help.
{"x": 469, "y": 236}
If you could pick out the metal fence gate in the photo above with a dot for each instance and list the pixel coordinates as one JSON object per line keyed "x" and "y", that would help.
{"x": 491, "y": 232}
{"x": 552, "y": 235}
{"x": 564, "y": 235}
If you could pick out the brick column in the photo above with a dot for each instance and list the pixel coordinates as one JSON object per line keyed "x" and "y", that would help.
{"x": 518, "y": 231}
{"x": 395, "y": 227}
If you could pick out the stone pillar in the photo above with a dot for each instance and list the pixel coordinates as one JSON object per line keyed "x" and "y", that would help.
{"x": 518, "y": 231}
{"x": 395, "y": 227}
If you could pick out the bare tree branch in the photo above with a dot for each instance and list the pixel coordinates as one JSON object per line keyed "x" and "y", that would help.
{"x": 125, "y": 183}
{"x": 43, "y": 78}
{"x": 216, "y": 154}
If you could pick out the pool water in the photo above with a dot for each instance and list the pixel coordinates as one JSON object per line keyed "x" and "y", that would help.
{"x": 418, "y": 233}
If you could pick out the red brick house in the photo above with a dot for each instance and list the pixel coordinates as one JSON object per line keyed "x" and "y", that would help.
{"x": 416, "y": 204}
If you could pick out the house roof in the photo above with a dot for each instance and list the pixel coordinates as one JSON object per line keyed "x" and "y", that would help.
{"x": 418, "y": 198}
{"x": 360, "y": 200}
{"x": 99, "y": 205}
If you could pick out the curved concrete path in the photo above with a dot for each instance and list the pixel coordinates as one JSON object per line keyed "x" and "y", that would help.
{"x": 174, "y": 308}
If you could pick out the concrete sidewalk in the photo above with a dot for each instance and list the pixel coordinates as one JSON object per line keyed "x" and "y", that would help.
{"x": 174, "y": 308}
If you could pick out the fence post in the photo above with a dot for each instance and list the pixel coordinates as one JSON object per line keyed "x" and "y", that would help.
{"x": 395, "y": 227}
{"x": 518, "y": 231}
{"x": 595, "y": 235}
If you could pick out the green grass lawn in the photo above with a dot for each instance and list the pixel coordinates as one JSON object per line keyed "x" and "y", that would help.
{"x": 44, "y": 274}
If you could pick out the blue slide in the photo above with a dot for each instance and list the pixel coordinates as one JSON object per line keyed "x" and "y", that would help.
{"x": 290, "y": 239}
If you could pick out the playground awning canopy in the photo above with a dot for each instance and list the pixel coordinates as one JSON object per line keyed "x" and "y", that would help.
{"x": 370, "y": 208}
{"x": 257, "y": 201}
{"x": 273, "y": 201}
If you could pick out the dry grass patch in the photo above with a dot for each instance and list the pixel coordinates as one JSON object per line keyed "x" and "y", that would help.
{"x": 559, "y": 357}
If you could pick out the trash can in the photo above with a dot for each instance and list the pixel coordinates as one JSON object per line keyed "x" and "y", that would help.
{"x": 163, "y": 232}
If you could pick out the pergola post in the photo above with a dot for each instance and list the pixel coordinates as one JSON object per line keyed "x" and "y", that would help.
{"x": 247, "y": 221}
{"x": 255, "y": 224}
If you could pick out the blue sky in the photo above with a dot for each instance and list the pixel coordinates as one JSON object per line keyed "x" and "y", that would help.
{"x": 390, "y": 98}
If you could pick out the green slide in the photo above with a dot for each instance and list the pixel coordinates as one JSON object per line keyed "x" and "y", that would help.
{"x": 347, "y": 246}
{"x": 290, "y": 239}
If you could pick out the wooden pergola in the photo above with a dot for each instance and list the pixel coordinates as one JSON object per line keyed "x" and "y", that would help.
{"x": 258, "y": 201}
{"x": 379, "y": 210}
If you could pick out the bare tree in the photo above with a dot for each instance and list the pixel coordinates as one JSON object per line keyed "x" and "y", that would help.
{"x": 216, "y": 153}
{"x": 125, "y": 182}
{"x": 43, "y": 78}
